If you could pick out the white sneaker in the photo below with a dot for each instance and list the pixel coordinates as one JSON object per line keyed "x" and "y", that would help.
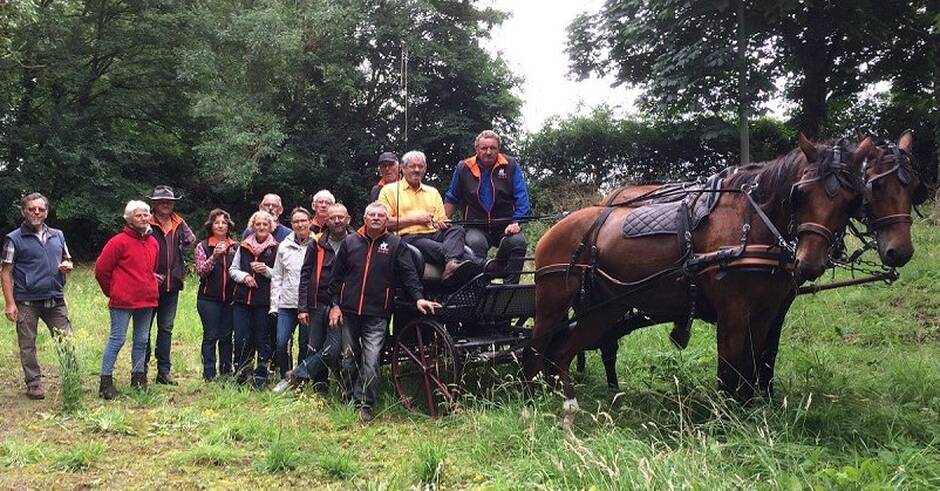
{"x": 282, "y": 386}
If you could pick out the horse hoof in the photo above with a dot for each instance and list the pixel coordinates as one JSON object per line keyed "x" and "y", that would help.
{"x": 569, "y": 409}
{"x": 680, "y": 337}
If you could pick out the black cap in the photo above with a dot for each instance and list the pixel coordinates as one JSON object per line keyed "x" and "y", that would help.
{"x": 388, "y": 157}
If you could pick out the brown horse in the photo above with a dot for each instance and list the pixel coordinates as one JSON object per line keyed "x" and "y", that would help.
{"x": 812, "y": 190}
{"x": 893, "y": 187}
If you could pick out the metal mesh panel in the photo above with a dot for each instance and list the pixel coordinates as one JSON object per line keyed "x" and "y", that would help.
{"x": 505, "y": 302}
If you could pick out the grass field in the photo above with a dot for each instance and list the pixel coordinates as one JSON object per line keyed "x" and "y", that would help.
{"x": 858, "y": 407}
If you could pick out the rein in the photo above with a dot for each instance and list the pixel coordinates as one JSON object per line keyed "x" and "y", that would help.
{"x": 835, "y": 174}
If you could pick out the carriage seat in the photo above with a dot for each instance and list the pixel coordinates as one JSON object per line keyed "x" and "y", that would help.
{"x": 429, "y": 272}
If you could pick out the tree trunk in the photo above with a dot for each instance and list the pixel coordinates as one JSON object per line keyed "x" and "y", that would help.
{"x": 813, "y": 54}
{"x": 743, "y": 100}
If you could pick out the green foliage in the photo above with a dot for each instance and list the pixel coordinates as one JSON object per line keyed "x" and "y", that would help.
{"x": 110, "y": 420}
{"x": 680, "y": 53}
{"x": 79, "y": 456}
{"x": 428, "y": 464}
{"x": 857, "y": 404}
{"x": 70, "y": 379}
{"x": 226, "y": 100}
{"x": 338, "y": 465}
{"x": 17, "y": 454}
{"x": 585, "y": 154}
{"x": 208, "y": 454}
{"x": 281, "y": 456}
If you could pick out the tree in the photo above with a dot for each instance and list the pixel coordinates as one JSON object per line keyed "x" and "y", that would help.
{"x": 228, "y": 99}
{"x": 678, "y": 50}
{"x": 91, "y": 110}
{"x": 585, "y": 155}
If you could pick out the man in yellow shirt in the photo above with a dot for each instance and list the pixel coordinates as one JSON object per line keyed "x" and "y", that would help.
{"x": 416, "y": 212}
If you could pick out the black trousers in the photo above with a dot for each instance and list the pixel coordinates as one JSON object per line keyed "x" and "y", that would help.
{"x": 441, "y": 246}
{"x": 510, "y": 252}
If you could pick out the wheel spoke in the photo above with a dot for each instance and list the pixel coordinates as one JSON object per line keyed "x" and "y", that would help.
{"x": 413, "y": 357}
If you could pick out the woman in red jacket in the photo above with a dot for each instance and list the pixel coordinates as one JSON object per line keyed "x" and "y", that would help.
{"x": 125, "y": 271}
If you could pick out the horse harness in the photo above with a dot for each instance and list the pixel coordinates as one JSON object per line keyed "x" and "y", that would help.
{"x": 835, "y": 173}
{"x": 904, "y": 170}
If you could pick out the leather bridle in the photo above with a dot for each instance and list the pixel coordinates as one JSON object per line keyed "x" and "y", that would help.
{"x": 904, "y": 171}
{"x": 835, "y": 173}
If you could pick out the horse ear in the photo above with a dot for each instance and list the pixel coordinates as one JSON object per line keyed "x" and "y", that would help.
{"x": 863, "y": 150}
{"x": 859, "y": 137}
{"x": 906, "y": 141}
{"x": 808, "y": 148}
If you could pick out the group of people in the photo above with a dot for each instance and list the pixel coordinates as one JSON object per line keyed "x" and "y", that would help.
{"x": 332, "y": 284}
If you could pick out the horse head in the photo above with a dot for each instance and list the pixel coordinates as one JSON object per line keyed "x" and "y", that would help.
{"x": 892, "y": 189}
{"x": 827, "y": 193}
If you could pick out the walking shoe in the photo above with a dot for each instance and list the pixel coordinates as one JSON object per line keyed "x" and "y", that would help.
{"x": 106, "y": 389}
{"x": 165, "y": 379}
{"x": 365, "y": 414}
{"x": 139, "y": 381}
{"x": 290, "y": 382}
{"x": 35, "y": 392}
{"x": 459, "y": 272}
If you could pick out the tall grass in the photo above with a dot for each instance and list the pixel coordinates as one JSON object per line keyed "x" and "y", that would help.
{"x": 857, "y": 408}
{"x": 70, "y": 375}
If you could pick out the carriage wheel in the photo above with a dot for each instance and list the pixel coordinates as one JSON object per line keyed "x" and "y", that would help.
{"x": 425, "y": 367}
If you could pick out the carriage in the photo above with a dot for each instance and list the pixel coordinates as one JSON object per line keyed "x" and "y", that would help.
{"x": 481, "y": 322}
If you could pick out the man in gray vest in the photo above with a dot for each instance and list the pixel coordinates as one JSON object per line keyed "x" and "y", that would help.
{"x": 35, "y": 261}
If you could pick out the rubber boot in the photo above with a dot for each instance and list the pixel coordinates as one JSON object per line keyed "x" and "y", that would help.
{"x": 106, "y": 390}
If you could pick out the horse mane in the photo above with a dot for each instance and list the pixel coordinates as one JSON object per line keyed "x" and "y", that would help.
{"x": 776, "y": 177}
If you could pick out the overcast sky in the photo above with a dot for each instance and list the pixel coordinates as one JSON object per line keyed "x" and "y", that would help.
{"x": 532, "y": 42}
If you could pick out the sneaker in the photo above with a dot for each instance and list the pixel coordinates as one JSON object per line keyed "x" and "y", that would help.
{"x": 165, "y": 379}
{"x": 365, "y": 414}
{"x": 35, "y": 392}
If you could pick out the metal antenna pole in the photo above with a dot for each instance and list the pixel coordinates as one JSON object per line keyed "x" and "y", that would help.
{"x": 404, "y": 90}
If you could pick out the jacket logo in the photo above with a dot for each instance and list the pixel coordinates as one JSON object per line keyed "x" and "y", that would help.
{"x": 383, "y": 248}
{"x": 501, "y": 173}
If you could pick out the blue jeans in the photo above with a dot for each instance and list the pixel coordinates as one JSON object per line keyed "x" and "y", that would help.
{"x": 120, "y": 318}
{"x": 363, "y": 339}
{"x": 166, "y": 316}
{"x": 251, "y": 336}
{"x": 216, "y": 336}
{"x": 286, "y": 322}
{"x": 324, "y": 347}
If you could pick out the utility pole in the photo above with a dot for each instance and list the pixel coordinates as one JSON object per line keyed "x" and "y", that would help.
{"x": 743, "y": 99}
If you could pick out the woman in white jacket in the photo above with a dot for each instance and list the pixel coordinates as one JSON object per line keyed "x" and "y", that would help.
{"x": 285, "y": 281}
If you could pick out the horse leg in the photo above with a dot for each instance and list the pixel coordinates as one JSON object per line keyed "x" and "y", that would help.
{"x": 768, "y": 359}
{"x": 553, "y": 298}
{"x": 589, "y": 332}
{"x": 609, "y": 358}
{"x": 743, "y": 324}
{"x": 580, "y": 362}
{"x": 681, "y": 331}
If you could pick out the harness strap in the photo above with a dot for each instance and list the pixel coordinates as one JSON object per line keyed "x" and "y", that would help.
{"x": 815, "y": 228}
{"x": 891, "y": 220}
